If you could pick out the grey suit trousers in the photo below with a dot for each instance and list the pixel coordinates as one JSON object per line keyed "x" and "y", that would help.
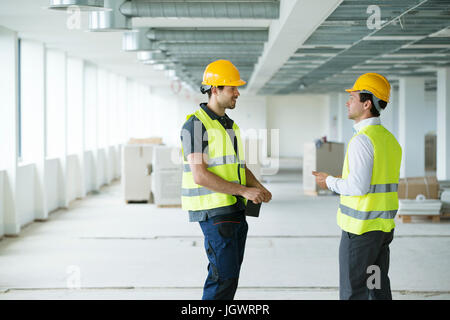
{"x": 364, "y": 266}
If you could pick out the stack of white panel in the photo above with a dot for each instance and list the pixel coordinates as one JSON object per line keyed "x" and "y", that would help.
{"x": 166, "y": 176}
{"x": 136, "y": 178}
{"x": 253, "y": 156}
{"x": 445, "y": 198}
{"x": 427, "y": 207}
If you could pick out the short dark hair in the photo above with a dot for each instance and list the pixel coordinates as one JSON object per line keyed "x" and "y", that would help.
{"x": 363, "y": 97}
{"x": 209, "y": 91}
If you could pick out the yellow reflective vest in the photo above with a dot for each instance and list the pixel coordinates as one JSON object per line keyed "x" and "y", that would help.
{"x": 223, "y": 162}
{"x": 375, "y": 210}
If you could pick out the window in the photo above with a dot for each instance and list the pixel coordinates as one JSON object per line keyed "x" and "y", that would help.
{"x": 31, "y": 100}
{"x": 56, "y": 100}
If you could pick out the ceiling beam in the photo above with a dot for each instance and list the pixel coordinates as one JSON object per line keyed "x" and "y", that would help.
{"x": 298, "y": 20}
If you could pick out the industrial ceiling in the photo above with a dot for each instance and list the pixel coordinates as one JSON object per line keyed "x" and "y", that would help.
{"x": 280, "y": 47}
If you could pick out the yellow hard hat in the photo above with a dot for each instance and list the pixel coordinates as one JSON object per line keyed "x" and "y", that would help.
{"x": 373, "y": 83}
{"x": 222, "y": 73}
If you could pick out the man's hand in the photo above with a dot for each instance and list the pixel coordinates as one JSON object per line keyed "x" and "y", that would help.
{"x": 267, "y": 194}
{"x": 321, "y": 179}
{"x": 257, "y": 194}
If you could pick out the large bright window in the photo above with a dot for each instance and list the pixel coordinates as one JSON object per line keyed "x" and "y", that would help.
{"x": 90, "y": 107}
{"x": 102, "y": 111}
{"x": 56, "y": 100}
{"x": 31, "y": 99}
{"x": 74, "y": 106}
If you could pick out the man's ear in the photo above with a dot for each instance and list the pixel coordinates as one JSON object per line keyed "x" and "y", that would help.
{"x": 213, "y": 90}
{"x": 367, "y": 105}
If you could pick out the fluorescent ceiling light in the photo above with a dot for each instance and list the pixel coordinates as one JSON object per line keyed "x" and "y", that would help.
{"x": 414, "y": 55}
{"x": 83, "y": 5}
{"x": 344, "y": 23}
{"x": 392, "y": 61}
{"x": 441, "y": 33}
{"x": 392, "y": 38}
{"x": 370, "y": 67}
{"x": 325, "y": 46}
{"x": 426, "y": 46}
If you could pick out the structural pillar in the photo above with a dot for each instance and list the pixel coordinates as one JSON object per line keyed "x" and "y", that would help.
{"x": 411, "y": 132}
{"x": 332, "y": 119}
{"x": 9, "y": 220}
{"x": 36, "y": 149}
{"x": 389, "y": 116}
{"x": 443, "y": 124}
{"x": 345, "y": 125}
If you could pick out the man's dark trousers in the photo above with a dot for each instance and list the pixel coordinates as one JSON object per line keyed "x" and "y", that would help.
{"x": 225, "y": 237}
{"x": 356, "y": 254}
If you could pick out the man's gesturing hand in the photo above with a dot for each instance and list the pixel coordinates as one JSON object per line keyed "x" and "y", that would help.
{"x": 321, "y": 178}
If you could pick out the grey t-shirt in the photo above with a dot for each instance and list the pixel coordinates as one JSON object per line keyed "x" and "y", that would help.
{"x": 194, "y": 138}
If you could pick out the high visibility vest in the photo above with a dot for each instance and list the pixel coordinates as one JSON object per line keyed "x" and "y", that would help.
{"x": 223, "y": 162}
{"x": 375, "y": 210}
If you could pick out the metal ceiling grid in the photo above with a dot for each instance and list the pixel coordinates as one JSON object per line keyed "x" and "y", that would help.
{"x": 405, "y": 44}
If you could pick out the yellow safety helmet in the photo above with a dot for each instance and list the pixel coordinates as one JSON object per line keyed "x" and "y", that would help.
{"x": 373, "y": 83}
{"x": 222, "y": 73}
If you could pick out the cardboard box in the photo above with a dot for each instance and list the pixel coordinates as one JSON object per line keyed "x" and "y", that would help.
{"x": 167, "y": 158}
{"x": 410, "y": 188}
{"x": 328, "y": 158}
{"x": 135, "y": 180}
{"x": 153, "y": 140}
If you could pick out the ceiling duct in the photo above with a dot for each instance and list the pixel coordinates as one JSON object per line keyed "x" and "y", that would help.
{"x": 240, "y": 48}
{"x": 197, "y": 9}
{"x": 112, "y": 20}
{"x": 136, "y": 40}
{"x": 151, "y": 55}
{"x": 246, "y": 36}
{"x": 83, "y": 5}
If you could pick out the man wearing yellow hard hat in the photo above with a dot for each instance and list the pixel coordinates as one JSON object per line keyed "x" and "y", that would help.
{"x": 368, "y": 189}
{"x": 216, "y": 183}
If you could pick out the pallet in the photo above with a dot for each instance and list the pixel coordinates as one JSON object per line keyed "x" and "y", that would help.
{"x": 168, "y": 206}
{"x": 136, "y": 201}
{"x": 406, "y": 218}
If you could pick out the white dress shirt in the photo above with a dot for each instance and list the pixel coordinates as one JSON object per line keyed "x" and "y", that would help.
{"x": 360, "y": 164}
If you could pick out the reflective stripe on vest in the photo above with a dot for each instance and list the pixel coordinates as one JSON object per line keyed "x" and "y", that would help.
{"x": 198, "y": 191}
{"x": 375, "y": 210}
{"x": 217, "y": 162}
{"x": 223, "y": 162}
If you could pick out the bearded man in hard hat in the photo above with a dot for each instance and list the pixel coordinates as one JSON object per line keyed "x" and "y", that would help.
{"x": 368, "y": 189}
{"x": 216, "y": 183}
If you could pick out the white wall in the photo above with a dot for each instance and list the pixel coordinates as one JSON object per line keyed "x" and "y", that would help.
{"x": 25, "y": 197}
{"x": 2, "y": 207}
{"x": 300, "y": 119}
{"x": 52, "y": 184}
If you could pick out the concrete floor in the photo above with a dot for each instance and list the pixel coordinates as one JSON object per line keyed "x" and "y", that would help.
{"x": 102, "y": 248}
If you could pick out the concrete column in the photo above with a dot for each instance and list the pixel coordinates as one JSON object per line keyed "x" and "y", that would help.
{"x": 332, "y": 119}
{"x": 39, "y": 139}
{"x": 345, "y": 125}
{"x": 389, "y": 116}
{"x": 443, "y": 124}
{"x": 9, "y": 220}
{"x": 411, "y": 132}
{"x": 82, "y": 155}
{"x": 64, "y": 198}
